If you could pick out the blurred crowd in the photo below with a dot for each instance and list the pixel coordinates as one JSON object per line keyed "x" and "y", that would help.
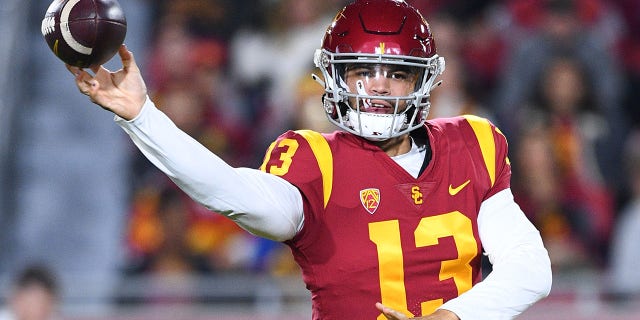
{"x": 561, "y": 78}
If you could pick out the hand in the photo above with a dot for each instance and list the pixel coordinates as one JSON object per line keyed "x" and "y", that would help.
{"x": 439, "y": 314}
{"x": 122, "y": 92}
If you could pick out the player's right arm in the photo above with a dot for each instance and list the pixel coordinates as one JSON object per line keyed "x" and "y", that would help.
{"x": 261, "y": 203}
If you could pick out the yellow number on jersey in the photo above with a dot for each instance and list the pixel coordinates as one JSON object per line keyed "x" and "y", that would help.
{"x": 386, "y": 236}
{"x": 285, "y": 157}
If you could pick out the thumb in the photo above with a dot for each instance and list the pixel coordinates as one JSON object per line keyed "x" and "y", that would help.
{"x": 390, "y": 313}
{"x": 126, "y": 56}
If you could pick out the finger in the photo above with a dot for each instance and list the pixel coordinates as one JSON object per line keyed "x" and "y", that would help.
{"x": 96, "y": 68}
{"x": 82, "y": 78}
{"x": 126, "y": 57}
{"x": 383, "y": 309}
{"x": 87, "y": 87}
{"x": 101, "y": 72}
{"x": 74, "y": 70}
{"x": 86, "y": 83}
{"x": 390, "y": 313}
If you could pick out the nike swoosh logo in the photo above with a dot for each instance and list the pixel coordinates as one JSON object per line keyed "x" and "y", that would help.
{"x": 453, "y": 191}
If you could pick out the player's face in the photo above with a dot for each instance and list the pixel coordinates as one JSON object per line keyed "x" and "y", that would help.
{"x": 384, "y": 80}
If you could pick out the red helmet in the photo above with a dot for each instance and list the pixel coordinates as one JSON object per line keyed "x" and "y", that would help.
{"x": 384, "y": 32}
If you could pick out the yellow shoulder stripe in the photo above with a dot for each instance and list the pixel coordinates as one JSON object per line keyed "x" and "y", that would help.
{"x": 506, "y": 159}
{"x": 322, "y": 152}
{"x": 482, "y": 128}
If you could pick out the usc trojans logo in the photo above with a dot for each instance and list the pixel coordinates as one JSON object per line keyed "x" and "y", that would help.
{"x": 370, "y": 199}
{"x": 416, "y": 195}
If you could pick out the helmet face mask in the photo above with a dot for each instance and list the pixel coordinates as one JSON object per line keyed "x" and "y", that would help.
{"x": 378, "y": 69}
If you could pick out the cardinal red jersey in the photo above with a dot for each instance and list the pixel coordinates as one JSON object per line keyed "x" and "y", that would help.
{"x": 374, "y": 233}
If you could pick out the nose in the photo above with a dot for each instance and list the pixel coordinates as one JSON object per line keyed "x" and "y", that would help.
{"x": 378, "y": 84}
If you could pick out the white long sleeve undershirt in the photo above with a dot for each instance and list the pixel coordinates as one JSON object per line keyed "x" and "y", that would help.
{"x": 260, "y": 203}
{"x": 271, "y": 207}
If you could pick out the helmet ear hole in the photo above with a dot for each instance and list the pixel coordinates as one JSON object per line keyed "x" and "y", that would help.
{"x": 333, "y": 110}
{"x": 329, "y": 107}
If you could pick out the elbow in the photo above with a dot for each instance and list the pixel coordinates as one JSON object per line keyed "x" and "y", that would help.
{"x": 546, "y": 277}
{"x": 531, "y": 271}
{"x": 273, "y": 234}
{"x": 541, "y": 274}
{"x": 264, "y": 226}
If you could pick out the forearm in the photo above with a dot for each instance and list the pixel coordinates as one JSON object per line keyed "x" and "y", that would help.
{"x": 521, "y": 269}
{"x": 261, "y": 203}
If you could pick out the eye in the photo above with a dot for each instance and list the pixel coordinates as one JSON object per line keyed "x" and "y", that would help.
{"x": 362, "y": 72}
{"x": 399, "y": 75}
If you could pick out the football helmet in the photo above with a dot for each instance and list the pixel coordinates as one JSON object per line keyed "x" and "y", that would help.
{"x": 369, "y": 33}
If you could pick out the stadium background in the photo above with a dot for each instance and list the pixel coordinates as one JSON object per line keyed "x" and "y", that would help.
{"x": 76, "y": 196}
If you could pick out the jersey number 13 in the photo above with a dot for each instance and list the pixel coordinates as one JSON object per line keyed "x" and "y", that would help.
{"x": 386, "y": 236}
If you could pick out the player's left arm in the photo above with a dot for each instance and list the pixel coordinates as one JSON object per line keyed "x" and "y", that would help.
{"x": 521, "y": 268}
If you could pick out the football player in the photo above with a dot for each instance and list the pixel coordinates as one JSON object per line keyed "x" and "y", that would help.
{"x": 387, "y": 217}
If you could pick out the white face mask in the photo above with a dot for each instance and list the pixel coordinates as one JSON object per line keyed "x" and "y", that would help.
{"x": 372, "y": 125}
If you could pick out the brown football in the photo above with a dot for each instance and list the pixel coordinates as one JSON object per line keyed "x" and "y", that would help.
{"x": 84, "y": 33}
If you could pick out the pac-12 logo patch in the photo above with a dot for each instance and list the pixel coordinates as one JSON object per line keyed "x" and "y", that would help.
{"x": 370, "y": 199}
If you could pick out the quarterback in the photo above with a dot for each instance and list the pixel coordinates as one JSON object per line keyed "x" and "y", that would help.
{"x": 389, "y": 216}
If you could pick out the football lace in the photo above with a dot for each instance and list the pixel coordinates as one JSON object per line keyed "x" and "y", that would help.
{"x": 48, "y": 25}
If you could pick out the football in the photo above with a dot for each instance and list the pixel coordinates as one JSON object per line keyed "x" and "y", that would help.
{"x": 84, "y": 33}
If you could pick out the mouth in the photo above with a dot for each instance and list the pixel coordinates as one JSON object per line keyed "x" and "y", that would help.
{"x": 377, "y": 106}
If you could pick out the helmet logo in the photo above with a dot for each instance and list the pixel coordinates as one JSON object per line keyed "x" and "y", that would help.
{"x": 370, "y": 199}
{"x": 380, "y": 48}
